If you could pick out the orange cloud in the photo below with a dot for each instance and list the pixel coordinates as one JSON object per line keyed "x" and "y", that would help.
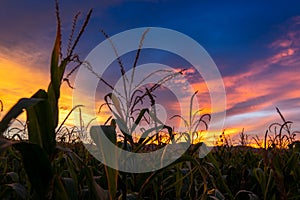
{"x": 18, "y": 81}
{"x": 273, "y": 81}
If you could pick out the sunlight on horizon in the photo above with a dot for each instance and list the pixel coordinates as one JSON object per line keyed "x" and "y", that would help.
{"x": 14, "y": 87}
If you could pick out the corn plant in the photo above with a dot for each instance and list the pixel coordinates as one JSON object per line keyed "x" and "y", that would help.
{"x": 194, "y": 121}
{"x": 52, "y": 164}
{"x": 283, "y": 135}
{"x": 39, "y": 153}
{"x": 128, "y": 112}
{"x": 125, "y": 105}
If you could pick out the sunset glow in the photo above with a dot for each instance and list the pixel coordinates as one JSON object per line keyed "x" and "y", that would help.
{"x": 260, "y": 68}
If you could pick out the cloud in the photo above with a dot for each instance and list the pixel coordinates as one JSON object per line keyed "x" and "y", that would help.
{"x": 253, "y": 89}
{"x": 18, "y": 81}
{"x": 269, "y": 82}
{"x": 28, "y": 28}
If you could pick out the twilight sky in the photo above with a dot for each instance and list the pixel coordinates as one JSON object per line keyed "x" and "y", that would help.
{"x": 255, "y": 45}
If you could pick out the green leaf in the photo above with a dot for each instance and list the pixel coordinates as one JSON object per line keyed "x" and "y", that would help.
{"x": 116, "y": 103}
{"x": 109, "y": 132}
{"x": 151, "y": 178}
{"x": 260, "y": 177}
{"x": 278, "y": 165}
{"x": 57, "y": 71}
{"x": 54, "y": 89}
{"x": 96, "y": 189}
{"x": 139, "y": 118}
{"x": 72, "y": 169}
{"x": 59, "y": 191}
{"x": 37, "y": 166}
{"x": 179, "y": 181}
{"x": 111, "y": 174}
{"x": 147, "y": 132}
{"x": 41, "y": 128}
{"x": 56, "y": 52}
{"x": 291, "y": 164}
{"x": 16, "y": 110}
{"x": 70, "y": 188}
{"x": 219, "y": 175}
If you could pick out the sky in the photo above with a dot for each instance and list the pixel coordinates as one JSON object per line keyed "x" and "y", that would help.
{"x": 254, "y": 44}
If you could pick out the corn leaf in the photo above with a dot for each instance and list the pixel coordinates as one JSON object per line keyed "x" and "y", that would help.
{"x": 111, "y": 174}
{"x": 96, "y": 189}
{"x": 59, "y": 191}
{"x": 70, "y": 188}
{"x": 116, "y": 104}
{"x": 291, "y": 164}
{"x": 57, "y": 70}
{"x": 37, "y": 167}
{"x": 16, "y": 110}
{"x": 41, "y": 129}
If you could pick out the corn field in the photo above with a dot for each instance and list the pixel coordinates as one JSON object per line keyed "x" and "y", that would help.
{"x": 52, "y": 163}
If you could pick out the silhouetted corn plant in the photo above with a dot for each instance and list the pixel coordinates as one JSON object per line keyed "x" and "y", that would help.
{"x": 124, "y": 106}
{"x": 43, "y": 168}
{"x": 42, "y": 111}
{"x": 194, "y": 121}
{"x": 283, "y": 135}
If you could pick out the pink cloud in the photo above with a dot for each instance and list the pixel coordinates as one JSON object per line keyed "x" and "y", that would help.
{"x": 269, "y": 82}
